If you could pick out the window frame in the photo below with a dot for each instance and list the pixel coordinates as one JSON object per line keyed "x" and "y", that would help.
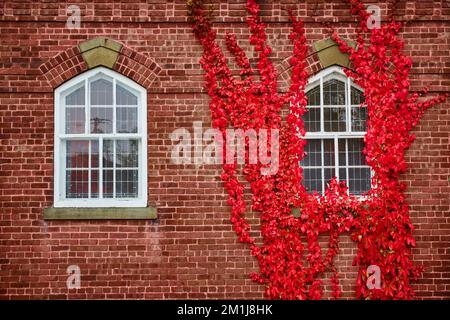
{"x": 318, "y": 80}
{"x": 59, "y": 135}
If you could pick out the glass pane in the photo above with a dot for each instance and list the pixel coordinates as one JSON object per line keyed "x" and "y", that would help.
{"x": 108, "y": 183}
{"x": 75, "y": 119}
{"x": 312, "y": 180}
{"x": 342, "y": 158}
{"x": 355, "y": 152}
{"x": 101, "y": 92}
{"x": 312, "y": 119}
{"x": 334, "y": 93}
{"x": 94, "y": 183}
{"x": 94, "y": 153}
{"x": 313, "y": 96}
{"x": 127, "y": 153}
{"x": 343, "y": 175}
{"x": 328, "y": 152}
{"x": 334, "y": 119}
{"x": 329, "y": 173}
{"x": 126, "y": 183}
{"x": 125, "y": 97}
{"x": 77, "y": 183}
{"x": 77, "y": 154}
{"x": 76, "y": 98}
{"x": 357, "y": 96}
{"x": 127, "y": 120}
{"x": 313, "y": 155}
{"x": 101, "y": 120}
{"x": 108, "y": 153}
{"x": 359, "y": 119}
{"x": 359, "y": 180}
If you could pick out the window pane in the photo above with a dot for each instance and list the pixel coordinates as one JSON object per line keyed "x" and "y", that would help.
{"x": 359, "y": 119}
{"x": 343, "y": 175}
{"x": 312, "y": 179}
{"x": 75, "y": 119}
{"x": 334, "y": 93}
{"x": 125, "y": 97}
{"x": 313, "y": 96}
{"x": 334, "y": 119}
{"x": 108, "y": 183}
{"x": 94, "y": 153}
{"x": 126, "y": 183}
{"x": 127, "y": 153}
{"x": 77, "y": 183}
{"x": 127, "y": 120}
{"x": 357, "y": 96}
{"x": 94, "y": 183}
{"x": 342, "y": 152}
{"x": 101, "y": 92}
{"x": 77, "y": 154}
{"x": 101, "y": 120}
{"x": 329, "y": 173}
{"x": 313, "y": 155}
{"x": 328, "y": 152}
{"x": 76, "y": 98}
{"x": 359, "y": 180}
{"x": 355, "y": 152}
{"x": 108, "y": 153}
{"x": 311, "y": 119}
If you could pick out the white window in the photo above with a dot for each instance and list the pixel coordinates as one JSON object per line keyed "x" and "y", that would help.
{"x": 100, "y": 141}
{"x": 335, "y": 124}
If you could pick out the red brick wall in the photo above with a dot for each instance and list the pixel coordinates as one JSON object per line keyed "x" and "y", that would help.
{"x": 190, "y": 251}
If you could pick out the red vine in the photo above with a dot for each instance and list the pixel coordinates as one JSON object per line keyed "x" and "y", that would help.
{"x": 383, "y": 228}
{"x": 380, "y": 223}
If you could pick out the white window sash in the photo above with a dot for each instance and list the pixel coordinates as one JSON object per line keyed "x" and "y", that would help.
{"x": 322, "y": 135}
{"x": 60, "y": 138}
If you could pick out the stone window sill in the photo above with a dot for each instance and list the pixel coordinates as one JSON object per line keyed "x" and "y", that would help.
{"x": 100, "y": 213}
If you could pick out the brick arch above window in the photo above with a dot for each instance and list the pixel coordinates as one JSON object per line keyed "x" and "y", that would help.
{"x": 100, "y": 52}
